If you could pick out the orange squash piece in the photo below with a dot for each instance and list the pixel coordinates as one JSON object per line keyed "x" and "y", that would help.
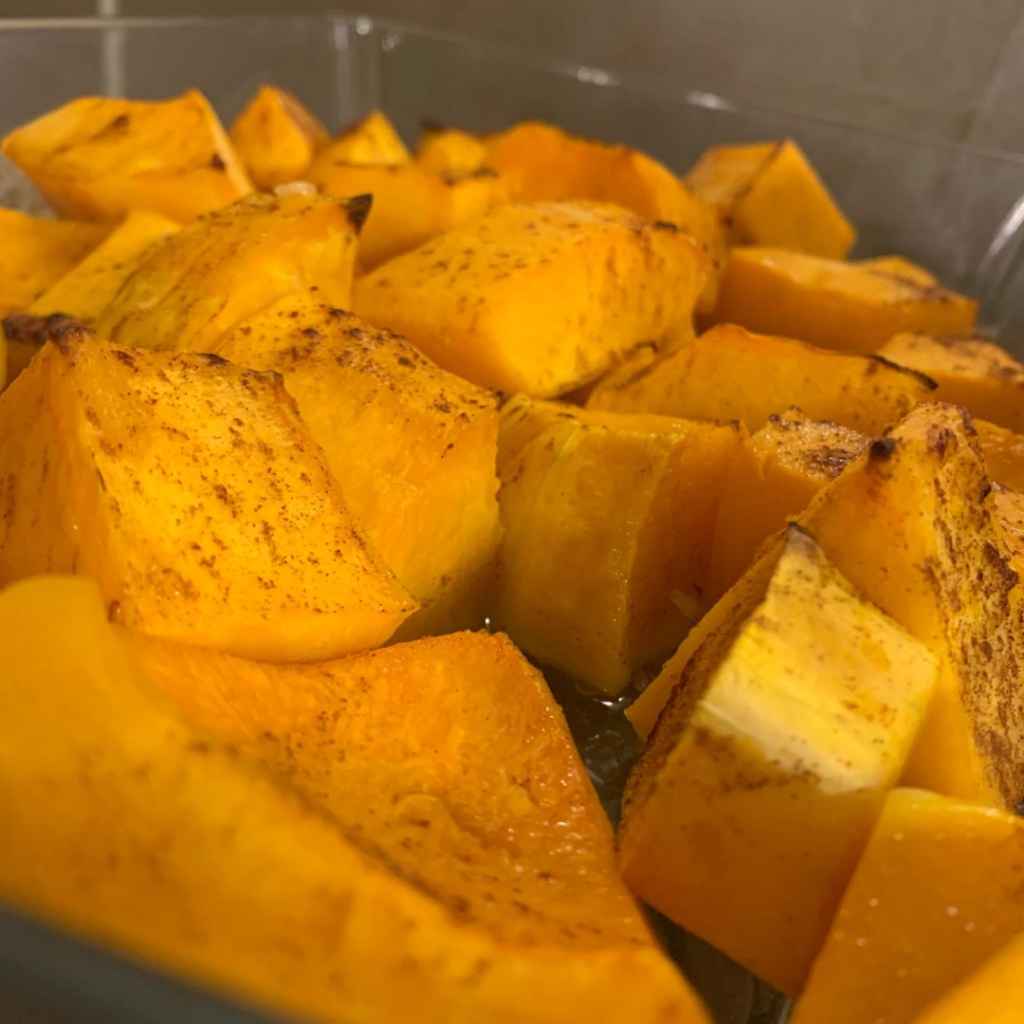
{"x": 88, "y": 287}
{"x": 769, "y": 194}
{"x": 539, "y": 298}
{"x": 731, "y": 374}
{"x": 908, "y": 525}
{"x": 937, "y": 892}
{"x": 410, "y": 204}
{"x": 131, "y": 825}
{"x": 774, "y": 477}
{"x": 970, "y": 371}
{"x": 412, "y": 446}
{"x": 608, "y": 522}
{"x": 34, "y": 253}
{"x": 195, "y": 287}
{"x": 276, "y": 138}
{"x": 899, "y": 266}
{"x": 832, "y": 304}
{"x": 373, "y": 139}
{"x": 745, "y": 817}
{"x": 994, "y": 993}
{"x": 98, "y": 158}
{"x": 1004, "y": 454}
{"x": 192, "y": 492}
{"x": 543, "y": 163}
{"x": 1008, "y": 514}
{"x": 450, "y": 151}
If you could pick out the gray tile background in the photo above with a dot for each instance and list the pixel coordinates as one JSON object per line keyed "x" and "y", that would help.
{"x": 946, "y": 68}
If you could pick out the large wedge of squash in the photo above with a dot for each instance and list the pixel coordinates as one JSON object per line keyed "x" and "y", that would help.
{"x": 362, "y": 873}
{"x": 412, "y": 446}
{"x": 191, "y": 490}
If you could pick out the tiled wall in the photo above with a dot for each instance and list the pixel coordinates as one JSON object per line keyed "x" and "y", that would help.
{"x": 951, "y": 68}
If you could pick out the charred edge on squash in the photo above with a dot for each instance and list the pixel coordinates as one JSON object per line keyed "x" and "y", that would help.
{"x": 358, "y": 208}
{"x": 64, "y": 331}
{"x": 927, "y": 381}
{"x": 882, "y": 448}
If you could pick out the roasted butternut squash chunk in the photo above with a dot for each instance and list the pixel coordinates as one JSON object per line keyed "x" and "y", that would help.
{"x": 970, "y": 371}
{"x": 832, "y": 304}
{"x": 88, "y": 288}
{"x": 608, "y": 522}
{"x": 937, "y": 892}
{"x": 412, "y": 446}
{"x": 34, "y": 253}
{"x": 139, "y": 829}
{"x": 276, "y": 138}
{"x": 899, "y": 266}
{"x": 1008, "y": 515}
{"x": 994, "y": 993}
{"x": 191, "y": 290}
{"x": 98, "y": 158}
{"x": 1004, "y": 454}
{"x": 909, "y": 526}
{"x": 764, "y": 775}
{"x": 730, "y": 373}
{"x": 542, "y": 163}
{"x": 410, "y": 205}
{"x": 192, "y": 492}
{"x": 450, "y": 151}
{"x": 539, "y": 298}
{"x": 769, "y": 194}
{"x": 372, "y": 139}
{"x": 775, "y": 476}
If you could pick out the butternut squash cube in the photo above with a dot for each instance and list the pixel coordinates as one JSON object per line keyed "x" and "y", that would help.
{"x": 195, "y": 287}
{"x": 543, "y": 163}
{"x": 729, "y": 373}
{"x": 769, "y": 194}
{"x": 1004, "y": 454}
{"x": 1008, "y": 516}
{"x": 192, "y": 492}
{"x": 34, "y": 253}
{"x": 538, "y": 298}
{"x": 830, "y": 303}
{"x": 969, "y": 370}
{"x": 908, "y": 524}
{"x": 745, "y": 818}
{"x": 410, "y": 204}
{"x": 608, "y": 524}
{"x": 450, "y": 151}
{"x": 775, "y": 476}
{"x": 412, "y": 446}
{"x": 88, "y": 287}
{"x": 373, "y": 139}
{"x": 134, "y": 826}
{"x": 993, "y": 993}
{"x": 98, "y": 158}
{"x": 276, "y": 138}
{"x": 899, "y": 266}
{"x": 937, "y": 892}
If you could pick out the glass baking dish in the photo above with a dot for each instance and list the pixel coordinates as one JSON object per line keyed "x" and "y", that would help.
{"x": 959, "y": 210}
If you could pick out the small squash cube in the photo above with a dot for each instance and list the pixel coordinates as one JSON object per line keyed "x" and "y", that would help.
{"x": 410, "y": 205}
{"x": 764, "y": 775}
{"x": 1004, "y": 454}
{"x": 412, "y": 446}
{"x": 970, "y": 371}
{"x": 88, "y": 288}
{"x": 276, "y": 138}
{"x": 607, "y": 522}
{"x": 729, "y": 373}
{"x": 98, "y": 158}
{"x": 908, "y": 525}
{"x": 192, "y": 492}
{"x": 373, "y": 139}
{"x": 774, "y": 477}
{"x": 447, "y": 891}
{"x": 937, "y": 892}
{"x": 34, "y": 253}
{"x": 192, "y": 289}
{"x": 450, "y": 151}
{"x": 539, "y": 298}
{"x": 769, "y": 194}
{"x": 832, "y": 304}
